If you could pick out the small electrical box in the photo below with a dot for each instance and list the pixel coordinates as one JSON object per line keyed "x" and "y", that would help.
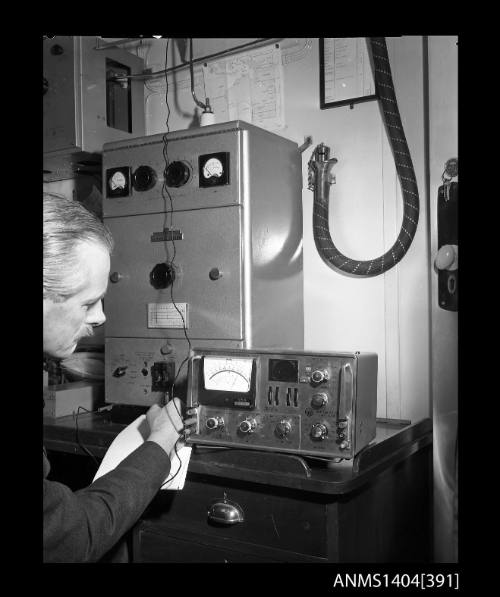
{"x": 310, "y": 403}
{"x": 88, "y": 99}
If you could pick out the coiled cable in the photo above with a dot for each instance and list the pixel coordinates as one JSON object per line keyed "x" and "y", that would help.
{"x": 321, "y": 168}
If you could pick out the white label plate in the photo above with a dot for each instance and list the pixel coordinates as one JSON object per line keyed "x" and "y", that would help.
{"x": 168, "y": 315}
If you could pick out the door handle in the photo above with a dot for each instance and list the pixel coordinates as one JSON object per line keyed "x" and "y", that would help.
{"x": 224, "y": 511}
{"x": 446, "y": 259}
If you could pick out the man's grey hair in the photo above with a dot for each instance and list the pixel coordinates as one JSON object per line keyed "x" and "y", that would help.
{"x": 67, "y": 227}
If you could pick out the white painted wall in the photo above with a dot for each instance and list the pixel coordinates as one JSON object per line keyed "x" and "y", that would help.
{"x": 388, "y": 314}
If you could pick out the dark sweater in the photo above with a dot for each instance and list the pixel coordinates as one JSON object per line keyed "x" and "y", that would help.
{"x": 81, "y": 526}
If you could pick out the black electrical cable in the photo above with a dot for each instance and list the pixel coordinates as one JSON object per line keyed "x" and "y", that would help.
{"x": 169, "y": 479}
{"x": 321, "y": 166}
{"x": 84, "y": 448}
{"x": 166, "y": 194}
{"x": 171, "y": 212}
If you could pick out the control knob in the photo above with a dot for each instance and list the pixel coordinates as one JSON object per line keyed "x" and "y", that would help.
{"x": 283, "y": 428}
{"x": 162, "y": 275}
{"x": 447, "y": 258}
{"x": 247, "y": 426}
{"x": 214, "y": 423}
{"x": 319, "y": 376}
{"x": 177, "y": 174}
{"x": 144, "y": 178}
{"x": 319, "y": 400}
{"x": 319, "y": 431}
{"x": 215, "y": 273}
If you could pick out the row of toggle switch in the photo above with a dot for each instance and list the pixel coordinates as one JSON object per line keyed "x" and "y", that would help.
{"x": 292, "y": 396}
{"x": 273, "y": 396}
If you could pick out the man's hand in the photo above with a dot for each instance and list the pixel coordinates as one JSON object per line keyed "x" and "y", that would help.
{"x": 166, "y": 424}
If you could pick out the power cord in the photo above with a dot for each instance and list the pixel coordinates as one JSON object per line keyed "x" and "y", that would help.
{"x": 84, "y": 448}
{"x": 166, "y": 194}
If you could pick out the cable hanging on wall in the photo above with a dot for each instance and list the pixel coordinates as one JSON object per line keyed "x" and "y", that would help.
{"x": 170, "y": 212}
{"x": 320, "y": 179}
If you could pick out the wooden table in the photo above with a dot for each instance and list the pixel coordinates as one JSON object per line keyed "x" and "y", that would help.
{"x": 376, "y": 508}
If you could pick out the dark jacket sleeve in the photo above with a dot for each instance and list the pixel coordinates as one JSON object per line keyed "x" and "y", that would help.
{"x": 82, "y": 526}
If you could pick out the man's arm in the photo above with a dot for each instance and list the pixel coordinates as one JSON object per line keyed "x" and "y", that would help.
{"x": 82, "y": 526}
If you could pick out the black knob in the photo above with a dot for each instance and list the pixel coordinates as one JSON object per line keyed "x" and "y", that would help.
{"x": 120, "y": 371}
{"x": 215, "y": 273}
{"x": 144, "y": 178}
{"x": 162, "y": 276}
{"x": 177, "y": 174}
{"x": 56, "y": 50}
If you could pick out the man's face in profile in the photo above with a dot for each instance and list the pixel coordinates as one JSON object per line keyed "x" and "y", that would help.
{"x": 64, "y": 323}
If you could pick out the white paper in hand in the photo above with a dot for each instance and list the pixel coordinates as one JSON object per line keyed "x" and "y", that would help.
{"x": 131, "y": 438}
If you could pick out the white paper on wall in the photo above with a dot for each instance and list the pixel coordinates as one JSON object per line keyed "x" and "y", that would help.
{"x": 248, "y": 87}
{"x": 347, "y": 69}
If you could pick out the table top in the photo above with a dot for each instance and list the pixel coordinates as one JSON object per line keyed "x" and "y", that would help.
{"x": 395, "y": 441}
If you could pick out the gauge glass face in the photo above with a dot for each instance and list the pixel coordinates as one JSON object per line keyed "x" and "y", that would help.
{"x": 226, "y": 374}
{"x": 117, "y": 181}
{"x": 213, "y": 167}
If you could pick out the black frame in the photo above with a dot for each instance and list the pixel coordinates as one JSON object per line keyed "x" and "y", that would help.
{"x": 346, "y": 102}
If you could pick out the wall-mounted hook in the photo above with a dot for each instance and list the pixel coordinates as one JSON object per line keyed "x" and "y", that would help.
{"x": 307, "y": 143}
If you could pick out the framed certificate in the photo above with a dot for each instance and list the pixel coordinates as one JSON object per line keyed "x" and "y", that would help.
{"x": 346, "y": 71}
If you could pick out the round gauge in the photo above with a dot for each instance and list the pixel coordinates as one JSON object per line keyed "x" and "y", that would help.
{"x": 213, "y": 167}
{"x": 227, "y": 374}
{"x": 117, "y": 181}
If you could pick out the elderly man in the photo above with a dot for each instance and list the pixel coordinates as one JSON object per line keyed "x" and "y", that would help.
{"x": 82, "y": 526}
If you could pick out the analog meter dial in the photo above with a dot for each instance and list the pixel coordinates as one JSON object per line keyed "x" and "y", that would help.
{"x": 214, "y": 169}
{"x": 227, "y": 374}
{"x": 118, "y": 182}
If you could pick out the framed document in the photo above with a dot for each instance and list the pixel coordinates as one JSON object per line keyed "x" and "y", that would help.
{"x": 346, "y": 71}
